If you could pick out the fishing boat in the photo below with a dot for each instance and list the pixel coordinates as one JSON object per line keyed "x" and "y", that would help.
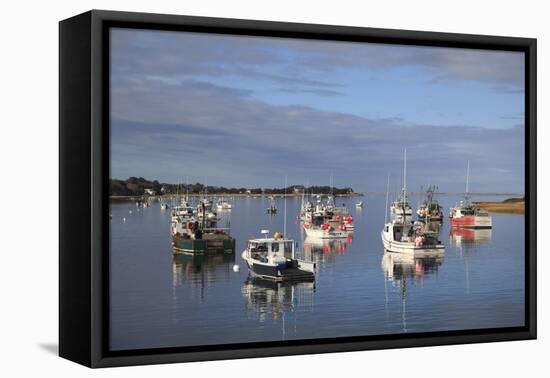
{"x": 401, "y": 235}
{"x": 318, "y": 226}
{"x": 192, "y": 237}
{"x": 199, "y": 235}
{"x": 224, "y": 205}
{"x": 466, "y": 214}
{"x": 325, "y": 220}
{"x": 430, "y": 208}
{"x": 274, "y": 258}
{"x": 306, "y": 207}
{"x": 181, "y": 211}
{"x": 204, "y": 210}
{"x": 411, "y": 238}
{"x": 400, "y": 209}
{"x": 194, "y": 231}
{"x": 272, "y": 209}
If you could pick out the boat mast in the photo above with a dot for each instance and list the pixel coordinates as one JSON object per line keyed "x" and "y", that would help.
{"x": 404, "y": 186}
{"x": 405, "y": 174}
{"x": 331, "y": 189}
{"x": 186, "y": 189}
{"x": 387, "y": 199}
{"x": 284, "y": 222}
{"x": 467, "y": 194}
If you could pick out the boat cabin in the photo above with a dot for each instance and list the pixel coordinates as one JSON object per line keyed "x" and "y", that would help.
{"x": 468, "y": 210}
{"x": 270, "y": 250}
{"x": 400, "y": 230}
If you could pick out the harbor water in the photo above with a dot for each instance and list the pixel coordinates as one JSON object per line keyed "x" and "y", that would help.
{"x": 160, "y": 300}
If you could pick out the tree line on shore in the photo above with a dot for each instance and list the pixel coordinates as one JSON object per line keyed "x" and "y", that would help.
{"x": 138, "y": 186}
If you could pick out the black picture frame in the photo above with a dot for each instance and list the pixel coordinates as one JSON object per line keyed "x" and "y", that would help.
{"x": 83, "y": 182}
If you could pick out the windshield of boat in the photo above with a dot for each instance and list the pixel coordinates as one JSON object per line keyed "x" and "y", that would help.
{"x": 258, "y": 251}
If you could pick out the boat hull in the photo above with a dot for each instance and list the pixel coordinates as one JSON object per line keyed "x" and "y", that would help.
{"x": 410, "y": 248}
{"x": 203, "y": 246}
{"x": 275, "y": 273}
{"x": 323, "y": 234}
{"x": 471, "y": 221}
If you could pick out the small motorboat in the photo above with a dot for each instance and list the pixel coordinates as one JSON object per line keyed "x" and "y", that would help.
{"x": 224, "y": 205}
{"x": 272, "y": 209}
{"x": 274, "y": 258}
{"x": 359, "y": 205}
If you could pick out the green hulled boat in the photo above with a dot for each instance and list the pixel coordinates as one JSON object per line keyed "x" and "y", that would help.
{"x": 210, "y": 243}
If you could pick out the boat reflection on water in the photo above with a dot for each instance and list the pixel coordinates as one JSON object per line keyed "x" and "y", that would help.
{"x": 469, "y": 237}
{"x": 197, "y": 271}
{"x": 467, "y": 240}
{"x": 268, "y": 299}
{"x": 318, "y": 250}
{"x": 400, "y": 269}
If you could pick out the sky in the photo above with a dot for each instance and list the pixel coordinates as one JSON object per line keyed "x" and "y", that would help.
{"x": 241, "y": 111}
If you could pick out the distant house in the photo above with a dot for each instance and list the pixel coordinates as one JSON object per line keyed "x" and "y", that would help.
{"x": 150, "y": 192}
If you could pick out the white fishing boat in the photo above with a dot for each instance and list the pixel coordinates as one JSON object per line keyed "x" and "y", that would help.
{"x": 400, "y": 209}
{"x": 272, "y": 209}
{"x": 224, "y": 205}
{"x": 204, "y": 210}
{"x": 274, "y": 258}
{"x": 400, "y": 235}
{"x": 182, "y": 211}
{"x": 306, "y": 208}
{"x": 410, "y": 238}
{"x": 325, "y": 220}
{"x": 319, "y": 227}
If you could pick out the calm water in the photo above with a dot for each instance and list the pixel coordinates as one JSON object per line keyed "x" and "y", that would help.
{"x": 158, "y": 300}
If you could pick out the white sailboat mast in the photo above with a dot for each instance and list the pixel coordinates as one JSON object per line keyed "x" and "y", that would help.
{"x": 404, "y": 179}
{"x": 387, "y": 199}
{"x": 467, "y": 194}
{"x": 284, "y": 221}
{"x": 186, "y": 189}
{"x": 468, "y": 178}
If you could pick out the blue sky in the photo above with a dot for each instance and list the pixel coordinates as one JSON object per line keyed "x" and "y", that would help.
{"x": 246, "y": 111}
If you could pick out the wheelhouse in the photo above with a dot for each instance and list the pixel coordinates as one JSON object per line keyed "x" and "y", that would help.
{"x": 270, "y": 250}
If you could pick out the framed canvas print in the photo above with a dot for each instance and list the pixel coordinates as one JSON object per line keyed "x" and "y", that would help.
{"x": 233, "y": 188}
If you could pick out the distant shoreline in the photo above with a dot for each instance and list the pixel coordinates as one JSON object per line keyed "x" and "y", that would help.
{"x": 224, "y": 195}
{"x": 510, "y": 206}
{"x": 494, "y": 205}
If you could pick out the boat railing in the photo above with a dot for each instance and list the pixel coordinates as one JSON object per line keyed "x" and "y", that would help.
{"x": 217, "y": 229}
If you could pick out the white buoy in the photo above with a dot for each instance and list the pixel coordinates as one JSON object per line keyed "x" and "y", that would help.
{"x": 130, "y": 211}
{"x": 124, "y": 219}
{"x": 236, "y": 268}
